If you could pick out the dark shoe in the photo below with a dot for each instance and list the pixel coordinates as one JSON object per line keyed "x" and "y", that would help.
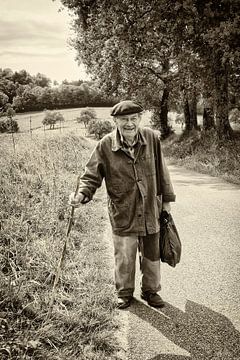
{"x": 153, "y": 299}
{"x": 124, "y": 302}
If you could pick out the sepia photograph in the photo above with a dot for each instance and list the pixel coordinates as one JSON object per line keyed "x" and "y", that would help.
{"x": 120, "y": 180}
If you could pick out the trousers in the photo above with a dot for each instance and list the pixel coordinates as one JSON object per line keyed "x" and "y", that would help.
{"x": 125, "y": 252}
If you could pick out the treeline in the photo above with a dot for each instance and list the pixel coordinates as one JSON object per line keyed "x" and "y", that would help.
{"x": 34, "y": 93}
{"x": 168, "y": 54}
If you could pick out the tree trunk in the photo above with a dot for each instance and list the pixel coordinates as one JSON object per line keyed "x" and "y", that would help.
{"x": 208, "y": 111}
{"x": 186, "y": 111}
{"x": 193, "y": 110}
{"x": 208, "y": 118}
{"x": 165, "y": 129}
{"x": 224, "y": 129}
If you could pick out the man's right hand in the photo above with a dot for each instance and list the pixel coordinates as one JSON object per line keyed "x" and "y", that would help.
{"x": 77, "y": 200}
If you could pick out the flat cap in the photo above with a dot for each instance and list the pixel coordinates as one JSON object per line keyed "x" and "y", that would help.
{"x": 126, "y": 107}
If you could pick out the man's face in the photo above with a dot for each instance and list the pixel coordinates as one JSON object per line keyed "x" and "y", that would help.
{"x": 128, "y": 125}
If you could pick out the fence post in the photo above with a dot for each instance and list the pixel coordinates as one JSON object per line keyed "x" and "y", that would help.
{"x": 30, "y": 126}
{"x": 13, "y": 140}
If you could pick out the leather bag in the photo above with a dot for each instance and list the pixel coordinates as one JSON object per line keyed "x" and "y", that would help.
{"x": 170, "y": 244}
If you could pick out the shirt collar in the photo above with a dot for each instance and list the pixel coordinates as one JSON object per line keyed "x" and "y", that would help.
{"x": 117, "y": 140}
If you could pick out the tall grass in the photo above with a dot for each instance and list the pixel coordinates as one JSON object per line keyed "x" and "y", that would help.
{"x": 204, "y": 152}
{"x": 35, "y": 183}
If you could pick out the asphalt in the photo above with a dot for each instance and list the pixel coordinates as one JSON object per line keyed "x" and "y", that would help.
{"x": 201, "y": 319}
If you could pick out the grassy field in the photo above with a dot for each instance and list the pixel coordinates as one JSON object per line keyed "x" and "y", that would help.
{"x": 70, "y": 116}
{"x": 35, "y": 183}
{"x": 35, "y": 119}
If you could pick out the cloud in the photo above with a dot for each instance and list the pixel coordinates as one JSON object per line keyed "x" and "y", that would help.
{"x": 32, "y": 33}
{"x": 27, "y": 55}
{"x": 34, "y": 36}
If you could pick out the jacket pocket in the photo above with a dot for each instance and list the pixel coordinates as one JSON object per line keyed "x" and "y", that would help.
{"x": 118, "y": 214}
{"x": 148, "y": 164}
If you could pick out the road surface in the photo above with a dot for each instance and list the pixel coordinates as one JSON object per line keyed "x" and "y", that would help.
{"x": 201, "y": 319}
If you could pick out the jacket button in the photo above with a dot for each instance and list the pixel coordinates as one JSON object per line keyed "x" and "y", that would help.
{"x": 139, "y": 215}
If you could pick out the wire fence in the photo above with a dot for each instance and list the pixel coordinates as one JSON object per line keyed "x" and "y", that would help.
{"x": 30, "y": 123}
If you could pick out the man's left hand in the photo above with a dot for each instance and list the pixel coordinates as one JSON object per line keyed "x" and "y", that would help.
{"x": 166, "y": 207}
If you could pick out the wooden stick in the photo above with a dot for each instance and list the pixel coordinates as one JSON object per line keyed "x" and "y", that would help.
{"x": 60, "y": 263}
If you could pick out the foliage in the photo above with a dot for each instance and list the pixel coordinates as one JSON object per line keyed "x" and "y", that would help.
{"x": 51, "y": 118}
{"x": 85, "y": 119}
{"x": 3, "y": 99}
{"x": 28, "y": 93}
{"x": 90, "y": 112}
{"x": 99, "y": 128}
{"x": 180, "y": 50}
{"x": 206, "y": 153}
{"x": 8, "y": 124}
{"x": 86, "y": 116}
{"x": 165, "y": 132}
{"x": 11, "y": 126}
{"x": 3, "y": 127}
{"x": 35, "y": 183}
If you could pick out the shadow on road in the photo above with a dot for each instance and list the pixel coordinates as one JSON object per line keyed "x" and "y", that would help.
{"x": 202, "y": 332}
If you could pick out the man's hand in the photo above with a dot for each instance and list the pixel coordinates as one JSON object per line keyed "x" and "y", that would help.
{"x": 77, "y": 200}
{"x": 166, "y": 207}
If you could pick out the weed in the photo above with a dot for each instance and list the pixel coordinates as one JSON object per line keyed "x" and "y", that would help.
{"x": 35, "y": 183}
{"x": 205, "y": 153}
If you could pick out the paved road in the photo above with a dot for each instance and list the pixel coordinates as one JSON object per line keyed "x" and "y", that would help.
{"x": 201, "y": 319}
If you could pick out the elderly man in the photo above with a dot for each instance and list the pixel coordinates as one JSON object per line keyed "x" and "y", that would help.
{"x": 138, "y": 188}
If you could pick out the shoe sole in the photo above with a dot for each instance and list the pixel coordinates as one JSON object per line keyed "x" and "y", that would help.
{"x": 160, "y": 305}
{"x": 124, "y": 305}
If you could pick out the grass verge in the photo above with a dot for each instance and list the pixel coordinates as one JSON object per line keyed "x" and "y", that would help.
{"x": 205, "y": 153}
{"x": 35, "y": 183}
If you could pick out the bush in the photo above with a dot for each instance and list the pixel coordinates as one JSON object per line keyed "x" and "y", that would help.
{"x": 2, "y": 126}
{"x": 86, "y": 116}
{"x": 9, "y": 125}
{"x": 52, "y": 117}
{"x": 99, "y": 128}
{"x": 12, "y": 126}
{"x": 206, "y": 153}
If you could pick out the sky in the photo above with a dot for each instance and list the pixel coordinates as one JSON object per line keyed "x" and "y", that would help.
{"x": 34, "y": 36}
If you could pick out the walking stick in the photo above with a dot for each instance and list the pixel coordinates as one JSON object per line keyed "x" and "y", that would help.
{"x": 60, "y": 263}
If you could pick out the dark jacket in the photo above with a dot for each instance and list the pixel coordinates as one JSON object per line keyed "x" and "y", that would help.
{"x": 135, "y": 187}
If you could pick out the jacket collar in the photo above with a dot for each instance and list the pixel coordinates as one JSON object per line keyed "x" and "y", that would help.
{"x": 117, "y": 143}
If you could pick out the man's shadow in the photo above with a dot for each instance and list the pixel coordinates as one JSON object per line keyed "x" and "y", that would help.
{"x": 204, "y": 333}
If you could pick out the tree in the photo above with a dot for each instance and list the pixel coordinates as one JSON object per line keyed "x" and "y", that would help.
{"x": 138, "y": 39}
{"x": 3, "y": 100}
{"x": 216, "y": 27}
{"x": 9, "y": 124}
{"x": 127, "y": 56}
{"x": 86, "y": 116}
{"x": 41, "y": 80}
{"x": 22, "y": 77}
{"x": 51, "y": 118}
